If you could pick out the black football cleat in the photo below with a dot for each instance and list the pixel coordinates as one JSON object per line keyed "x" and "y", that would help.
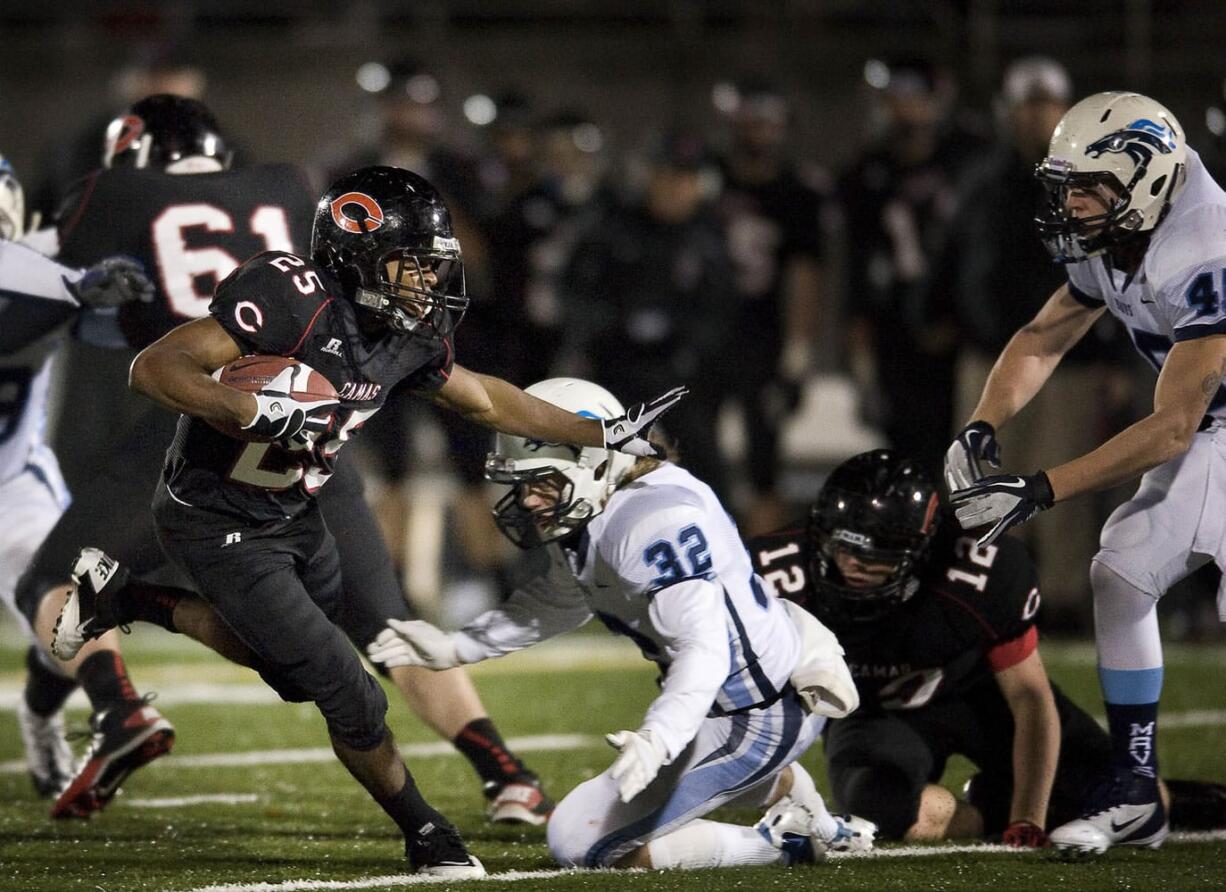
{"x": 437, "y": 850}
{"x": 125, "y": 738}
{"x": 88, "y": 613}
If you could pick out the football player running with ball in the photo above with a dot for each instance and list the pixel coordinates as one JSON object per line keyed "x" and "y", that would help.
{"x": 375, "y": 304}
{"x": 647, "y": 548}
{"x": 1141, "y": 228}
{"x": 941, "y": 641}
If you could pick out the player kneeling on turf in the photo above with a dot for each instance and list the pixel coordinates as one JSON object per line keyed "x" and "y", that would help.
{"x": 648, "y": 549}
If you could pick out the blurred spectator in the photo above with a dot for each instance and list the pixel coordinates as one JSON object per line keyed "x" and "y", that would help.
{"x": 648, "y": 299}
{"x": 154, "y": 68}
{"x": 1214, "y": 154}
{"x": 999, "y": 274}
{"x": 534, "y": 235}
{"x": 771, "y": 208}
{"x": 898, "y": 198}
{"x": 410, "y": 134}
{"x": 508, "y": 167}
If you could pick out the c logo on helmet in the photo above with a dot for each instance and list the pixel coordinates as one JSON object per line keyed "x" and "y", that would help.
{"x": 370, "y": 214}
{"x": 130, "y": 129}
{"x": 1138, "y": 140}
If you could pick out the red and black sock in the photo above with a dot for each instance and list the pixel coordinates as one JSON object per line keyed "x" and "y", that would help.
{"x": 104, "y": 677}
{"x": 480, "y": 743}
{"x": 148, "y": 603}
{"x": 45, "y": 690}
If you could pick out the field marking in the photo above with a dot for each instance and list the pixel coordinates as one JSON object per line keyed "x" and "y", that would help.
{"x": 182, "y": 801}
{"x": 401, "y": 880}
{"x": 315, "y": 755}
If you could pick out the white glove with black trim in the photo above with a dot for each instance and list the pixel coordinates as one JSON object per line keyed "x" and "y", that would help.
{"x": 280, "y": 417}
{"x": 628, "y": 433}
{"x": 413, "y": 643}
{"x": 112, "y": 282}
{"x": 974, "y": 444}
{"x": 642, "y": 757}
{"x": 1004, "y": 501}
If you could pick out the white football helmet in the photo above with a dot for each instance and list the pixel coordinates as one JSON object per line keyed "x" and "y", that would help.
{"x": 579, "y": 479}
{"x": 1127, "y": 149}
{"x": 12, "y": 203}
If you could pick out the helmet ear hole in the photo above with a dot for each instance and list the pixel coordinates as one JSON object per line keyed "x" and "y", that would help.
{"x": 601, "y": 470}
{"x": 1157, "y": 186}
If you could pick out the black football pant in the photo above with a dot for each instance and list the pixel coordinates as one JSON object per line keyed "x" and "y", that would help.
{"x": 880, "y": 762}
{"x": 278, "y": 586}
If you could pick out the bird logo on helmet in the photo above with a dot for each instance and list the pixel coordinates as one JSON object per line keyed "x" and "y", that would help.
{"x": 572, "y": 483}
{"x": 385, "y": 233}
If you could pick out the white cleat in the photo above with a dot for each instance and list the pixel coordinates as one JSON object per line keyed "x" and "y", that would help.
{"x": 48, "y": 755}
{"x": 86, "y": 613}
{"x": 1126, "y": 811}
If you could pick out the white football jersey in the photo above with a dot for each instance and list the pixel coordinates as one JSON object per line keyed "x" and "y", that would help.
{"x": 664, "y": 566}
{"x": 1179, "y": 292}
{"x": 29, "y": 283}
{"x": 666, "y": 527}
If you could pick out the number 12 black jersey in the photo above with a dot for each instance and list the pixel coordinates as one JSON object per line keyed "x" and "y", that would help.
{"x": 972, "y": 616}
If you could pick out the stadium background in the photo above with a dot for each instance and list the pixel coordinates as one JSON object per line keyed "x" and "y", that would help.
{"x": 281, "y": 79}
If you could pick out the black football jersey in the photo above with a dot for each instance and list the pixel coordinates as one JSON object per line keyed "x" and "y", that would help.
{"x": 973, "y": 615}
{"x": 280, "y": 304}
{"x": 189, "y": 230}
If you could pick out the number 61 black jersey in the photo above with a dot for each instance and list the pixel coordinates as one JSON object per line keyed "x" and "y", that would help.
{"x": 972, "y": 616}
{"x": 189, "y": 230}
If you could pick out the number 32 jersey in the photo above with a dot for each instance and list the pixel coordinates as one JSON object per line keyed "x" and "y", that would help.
{"x": 189, "y": 230}
{"x": 279, "y": 304}
{"x": 1179, "y": 292}
{"x": 972, "y": 616}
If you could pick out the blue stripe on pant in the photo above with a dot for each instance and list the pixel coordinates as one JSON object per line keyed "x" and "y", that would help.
{"x": 747, "y": 757}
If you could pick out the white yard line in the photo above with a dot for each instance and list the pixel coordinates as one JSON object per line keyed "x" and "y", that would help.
{"x": 312, "y": 755}
{"x": 185, "y": 801}
{"x": 397, "y": 881}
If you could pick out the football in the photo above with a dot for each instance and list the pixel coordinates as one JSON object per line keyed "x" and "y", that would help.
{"x": 252, "y": 374}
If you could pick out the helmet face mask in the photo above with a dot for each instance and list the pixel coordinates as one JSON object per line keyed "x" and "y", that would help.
{"x": 558, "y": 513}
{"x": 878, "y": 512}
{"x": 385, "y": 233}
{"x": 1124, "y": 149}
{"x": 165, "y": 132}
{"x": 556, "y": 488}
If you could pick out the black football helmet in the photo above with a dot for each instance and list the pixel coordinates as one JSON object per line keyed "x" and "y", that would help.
{"x": 161, "y": 130}
{"x": 881, "y": 508}
{"x": 377, "y": 225}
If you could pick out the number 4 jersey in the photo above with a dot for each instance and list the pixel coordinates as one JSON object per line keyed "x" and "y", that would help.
{"x": 972, "y": 615}
{"x": 1179, "y": 292}
{"x": 279, "y": 304}
{"x": 189, "y": 230}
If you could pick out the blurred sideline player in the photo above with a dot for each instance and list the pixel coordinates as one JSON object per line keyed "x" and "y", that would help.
{"x": 1141, "y": 227}
{"x": 648, "y": 549}
{"x": 37, "y": 298}
{"x": 940, "y": 637}
{"x": 376, "y": 305}
{"x": 193, "y": 229}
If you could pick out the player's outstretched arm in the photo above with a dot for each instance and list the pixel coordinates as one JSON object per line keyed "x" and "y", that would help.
{"x": 1190, "y": 378}
{"x": 175, "y": 371}
{"x": 1032, "y": 354}
{"x": 1036, "y": 745}
{"x": 500, "y": 405}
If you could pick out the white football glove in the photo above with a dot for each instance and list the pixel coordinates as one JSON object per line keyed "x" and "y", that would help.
{"x": 280, "y": 417}
{"x": 642, "y": 757}
{"x": 413, "y": 643}
{"x": 975, "y": 444}
{"x": 628, "y": 433}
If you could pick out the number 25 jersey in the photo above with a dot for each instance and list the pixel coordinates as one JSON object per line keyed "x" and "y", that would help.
{"x": 279, "y": 304}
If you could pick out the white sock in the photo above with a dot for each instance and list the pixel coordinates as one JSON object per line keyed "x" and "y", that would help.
{"x": 805, "y": 791}
{"x": 712, "y": 844}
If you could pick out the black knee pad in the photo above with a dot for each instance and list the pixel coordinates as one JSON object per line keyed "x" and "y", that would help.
{"x": 884, "y": 795}
{"x": 355, "y": 717}
{"x": 31, "y": 587}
